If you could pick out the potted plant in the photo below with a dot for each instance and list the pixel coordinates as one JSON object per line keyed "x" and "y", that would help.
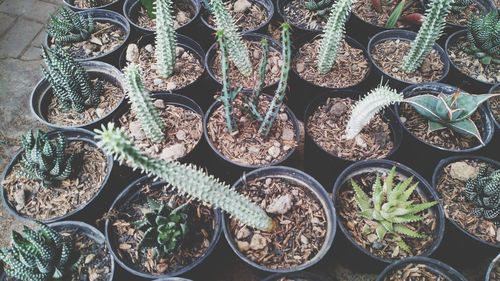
{"x": 328, "y": 150}
{"x": 56, "y": 176}
{"x": 306, "y": 17}
{"x": 386, "y": 212}
{"x": 248, "y": 130}
{"x": 319, "y": 63}
{"x": 475, "y": 62}
{"x": 419, "y": 268}
{"x": 301, "y": 240}
{"x": 303, "y": 275}
{"x": 70, "y": 249}
{"x": 493, "y": 272}
{"x": 73, "y": 94}
{"x": 464, "y": 184}
{"x": 406, "y": 58}
{"x": 88, "y": 35}
{"x": 84, "y": 5}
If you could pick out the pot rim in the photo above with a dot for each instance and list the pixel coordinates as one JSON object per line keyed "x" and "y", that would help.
{"x": 75, "y": 8}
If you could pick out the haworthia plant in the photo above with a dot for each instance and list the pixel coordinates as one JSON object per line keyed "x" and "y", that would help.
{"x": 68, "y": 26}
{"x": 429, "y": 33}
{"x": 483, "y": 35}
{"x": 165, "y": 38}
{"x": 484, "y": 191}
{"x": 186, "y": 178}
{"x": 460, "y": 5}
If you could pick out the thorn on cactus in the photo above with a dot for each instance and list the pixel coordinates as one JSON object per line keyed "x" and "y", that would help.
{"x": 165, "y": 39}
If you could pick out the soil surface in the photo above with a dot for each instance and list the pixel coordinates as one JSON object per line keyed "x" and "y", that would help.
{"x": 364, "y": 10}
{"x": 415, "y": 272}
{"x": 494, "y": 104}
{"x": 183, "y": 11}
{"x": 462, "y": 18}
{"x": 247, "y": 14}
{"x": 85, "y": 3}
{"x": 296, "y": 13}
{"x": 495, "y": 273}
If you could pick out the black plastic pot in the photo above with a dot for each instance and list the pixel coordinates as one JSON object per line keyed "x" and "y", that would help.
{"x": 491, "y": 267}
{"x": 458, "y": 241}
{"x": 346, "y": 243}
{"x": 114, "y": 18}
{"x": 42, "y": 94}
{"x": 306, "y": 276}
{"x": 457, "y": 77}
{"x": 304, "y": 92}
{"x": 494, "y": 89}
{"x": 173, "y": 279}
{"x": 299, "y": 33}
{"x": 115, "y": 6}
{"x": 131, "y": 10}
{"x": 492, "y": 147}
{"x": 325, "y": 166}
{"x": 229, "y": 170}
{"x": 402, "y": 35}
{"x": 435, "y": 266}
{"x": 88, "y": 211}
{"x": 125, "y": 197}
{"x": 304, "y": 180}
{"x": 197, "y": 89}
{"x": 424, "y": 156}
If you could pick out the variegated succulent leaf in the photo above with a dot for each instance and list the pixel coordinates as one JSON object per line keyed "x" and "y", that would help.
{"x": 484, "y": 192}
{"x": 483, "y": 36}
{"x": 66, "y": 26}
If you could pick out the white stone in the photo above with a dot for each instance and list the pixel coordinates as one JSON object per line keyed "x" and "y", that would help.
{"x": 148, "y": 48}
{"x": 280, "y": 205}
{"x": 462, "y": 171}
{"x": 258, "y": 242}
{"x": 173, "y": 152}
{"x": 274, "y": 151}
{"x": 241, "y": 6}
{"x": 243, "y": 246}
{"x": 180, "y": 135}
{"x": 171, "y": 86}
{"x": 159, "y": 104}
{"x": 132, "y": 53}
{"x": 287, "y": 134}
{"x": 136, "y": 130}
{"x": 243, "y": 233}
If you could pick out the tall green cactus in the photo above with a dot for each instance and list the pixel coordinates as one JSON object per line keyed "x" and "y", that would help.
{"x": 237, "y": 50}
{"x": 142, "y": 104}
{"x": 333, "y": 34}
{"x": 165, "y": 38}
{"x": 251, "y": 103}
{"x": 429, "y": 33}
{"x": 68, "y": 26}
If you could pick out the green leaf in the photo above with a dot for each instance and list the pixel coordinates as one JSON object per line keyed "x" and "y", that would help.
{"x": 153, "y": 204}
{"x": 435, "y": 126}
{"x": 403, "y": 246}
{"x": 378, "y": 194}
{"x": 388, "y": 225}
{"x": 389, "y": 181}
{"x": 401, "y": 229}
{"x": 466, "y": 127}
{"x": 425, "y": 105}
{"x": 420, "y": 207}
{"x": 406, "y": 195}
{"x": 470, "y": 103}
{"x": 360, "y": 196}
{"x": 381, "y": 232}
{"x": 407, "y": 219}
{"x": 395, "y": 15}
{"x": 150, "y": 8}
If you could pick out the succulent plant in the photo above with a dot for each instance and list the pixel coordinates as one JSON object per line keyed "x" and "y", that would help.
{"x": 41, "y": 255}
{"x": 186, "y": 178}
{"x": 164, "y": 227}
{"x": 460, "y": 5}
{"x": 142, "y": 104}
{"x": 70, "y": 82}
{"x": 428, "y": 34}
{"x": 484, "y": 192}
{"x": 322, "y": 7}
{"x": 68, "y": 26}
{"x": 149, "y": 5}
{"x": 483, "y": 35}
{"x": 44, "y": 159}
{"x": 251, "y": 104}
{"x": 93, "y": 3}
{"x": 391, "y": 208}
{"x": 165, "y": 38}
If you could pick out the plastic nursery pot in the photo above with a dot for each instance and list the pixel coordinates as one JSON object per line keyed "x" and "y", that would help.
{"x": 402, "y": 35}
{"x": 325, "y": 166}
{"x": 114, "y": 5}
{"x": 131, "y": 192}
{"x": 491, "y": 268}
{"x": 492, "y": 147}
{"x": 43, "y": 94}
{"x": 229, "y": 170}
{"x": 88, "y": 211}
{"x": 457, "y": 77}
{"x": 99, "y": 15}
{"x": 304, "y": 92}
{"x": 305, "y": 181}
{"x": 196, "y": 89}
{"x": 306, "y": 276}
{"x": 423, "y": 156}
{"x": 346, "y": 243}
{"x": 131, "y": 11}
{"x": 172, "y": 279}
{"x": 434, "y": 266}
{"x": 458, "y": 240}
{"x": 299, "y": 32}
{"x": 494, "y": 89}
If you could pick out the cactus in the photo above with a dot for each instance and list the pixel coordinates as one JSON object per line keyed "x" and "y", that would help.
{"x": 484, "y": 192}
{"x": 163, "y": 227}
{"x": 41, "y": 255}
{"x": 430, "y": 31}
{"x": 365, "y": 109}
{"x": 45, "y": 160}
{"x": 186, "y": 178}
{"x": 236, "y": 49}
{"x": 279, "y": 95}
{"x": 142, "y": 104}
{"x": 460, "y": 5}
{"x": 333, "y": 34}
{"x": 165, "y": 38}
{"x": 483, "y": 35}
{"x": 391, "y": 208}
{"x": 149, "y": 5}
{"x": 251, "y": 103}
{"x": 70, "y": 82}
{"x": 67, "y": 26}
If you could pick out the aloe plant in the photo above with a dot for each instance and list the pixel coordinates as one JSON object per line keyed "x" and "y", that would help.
{"x": 484, "y": 192}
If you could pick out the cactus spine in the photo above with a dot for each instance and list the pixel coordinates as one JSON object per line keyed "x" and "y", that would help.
{"x": 165, "y": 38}
{"x": 252, "y": 102}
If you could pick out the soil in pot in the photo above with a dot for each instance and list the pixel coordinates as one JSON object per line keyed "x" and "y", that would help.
{"x": 389, "y": 54}
{"x": 184, "y": 11}
{"x": 247, "y": 147}
{"x": 451, "y": 187}
{"x": 418, "y": 126}
{"x": 109, "y": 100}
{"x": 187, "y": 68}
{"x": 247, "y": 14}
{"x": 495, "y": 272}
{"x": 494, "y": 104}
{"x": 327, "y": 125}
{"x": 356, "y": 224}
{"x": 470, "y": 65}
{"x": 364, "y": 10}
{"x": 299, "y": 219}
{"x": 462, "y": 18}
{"x": 30, "y": 198}
{"x": 296, "y": 13}
{"x": 183, "y": 130}
{"x": 415, "y": 272}
{"x": 106, "y": 38}
{"x": 127, "y": 237}
{"x": 350, "y": 67}
{"x": 84, "y": 4}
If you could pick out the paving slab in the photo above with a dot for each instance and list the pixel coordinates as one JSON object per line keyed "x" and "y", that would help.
{"x": 17, "y": 7}
{"x": 40, "y": 11}
{"x": 18, "y": 37}
{"x": 6, "y": 22}
{"x": 33, "y": 53}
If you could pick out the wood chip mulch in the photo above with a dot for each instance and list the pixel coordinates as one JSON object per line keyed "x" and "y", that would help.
{"x": 183, "y": 11}
{"x": 364, "y": 10}
{"x": 389, "y": 55}
{"x": 462, "y": 18}
{"x": 127, "y": 237}
{"x": 415, "y": 272}
{"x": 35, "y": 201}
{"x": 296, "y": 13}
{"x": 495, "y": 272}
{"x": 327, "y": 128}
{"x": 300, "y": 229}
{"x": 84, "y": 4}
{"x": 495, "y": 106}
{"x": 248, "y": 18}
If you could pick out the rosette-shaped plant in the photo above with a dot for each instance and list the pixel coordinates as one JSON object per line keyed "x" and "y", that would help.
{"x": 165, "y": 38}
{"x": 68, "y": 26}
{"x": 483, "y": 35}
{"x": 484, "y": 192}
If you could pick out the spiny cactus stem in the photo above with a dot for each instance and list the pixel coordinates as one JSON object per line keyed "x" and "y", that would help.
{"x": 227, "y": 96}
{"x": 165, "y": 38}
{"x": 252, "y": 102}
